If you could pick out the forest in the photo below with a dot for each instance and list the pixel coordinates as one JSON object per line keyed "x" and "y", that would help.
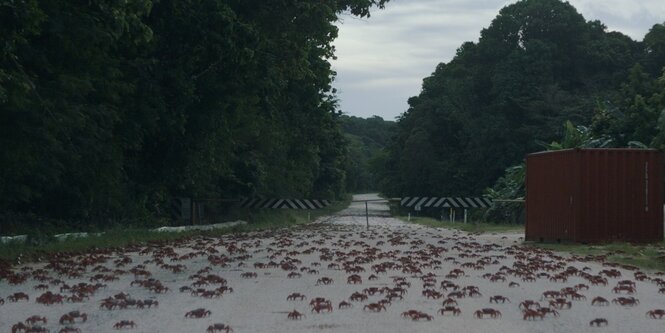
{"x": 540, "y": 77}
{"x": 367, "y": 141}
{"x": 108, "y": 109}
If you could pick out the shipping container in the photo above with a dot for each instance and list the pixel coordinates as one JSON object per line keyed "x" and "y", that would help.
{"x": 595, "y": 195}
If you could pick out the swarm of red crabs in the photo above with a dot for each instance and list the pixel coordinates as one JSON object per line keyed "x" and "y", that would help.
{"x": 382, "y": 273}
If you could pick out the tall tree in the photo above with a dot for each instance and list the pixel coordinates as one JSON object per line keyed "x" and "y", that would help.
{"x": 654, "y": 49}
{"x": 108, "y": 109}
{"x": 538, "y": 64}
{"x": 367, "y": 140}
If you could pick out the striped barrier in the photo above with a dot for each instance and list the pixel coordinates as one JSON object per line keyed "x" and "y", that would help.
{"x": 284, "y": 203}
{"x": 180, "y": 208}
{"x": 445, "y": 202}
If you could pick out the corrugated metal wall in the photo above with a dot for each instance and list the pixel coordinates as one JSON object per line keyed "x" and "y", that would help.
{"x": 595, "y": 195}
{"x": 550, "y": 185}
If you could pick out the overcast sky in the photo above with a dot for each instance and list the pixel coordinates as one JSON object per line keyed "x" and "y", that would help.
{"x": 382, "y": 60}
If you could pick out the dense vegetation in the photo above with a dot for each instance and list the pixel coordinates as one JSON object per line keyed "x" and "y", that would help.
{"x": 110, "y": 108}
{"x": 367, "y": 141}
{"x": 538, "y": 65}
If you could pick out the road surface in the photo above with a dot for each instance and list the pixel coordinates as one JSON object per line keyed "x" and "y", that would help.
{"x": 390, "y": 252}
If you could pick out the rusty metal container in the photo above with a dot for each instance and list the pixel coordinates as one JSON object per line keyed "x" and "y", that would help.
{"x": 595, "y": 195}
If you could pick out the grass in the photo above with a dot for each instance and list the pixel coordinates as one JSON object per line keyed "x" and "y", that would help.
{"x": 648, "y": 256}
{"x": 109, "y": 239}
{"x": 42, "y": 245}
{"x": 468, "y": 227}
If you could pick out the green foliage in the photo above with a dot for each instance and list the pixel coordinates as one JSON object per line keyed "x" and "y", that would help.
{"x": 654, "y": 43}
{"x": 537, "y": 65}
{"x": 512, "y": 185}
{"x": 366, "y": 143}
{"x": 374, "y": 132}
{"x": 113, "y": 237}
{"x": 578, "y": 137}
{"x": 108, "y": 109}
{"x": 633, "y": 116}
{"x": 473, "y": 226}
{"x": 41, "y": 242}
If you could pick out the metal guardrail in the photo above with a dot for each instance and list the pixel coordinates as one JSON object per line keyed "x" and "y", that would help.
{"x": 192, "y": 210}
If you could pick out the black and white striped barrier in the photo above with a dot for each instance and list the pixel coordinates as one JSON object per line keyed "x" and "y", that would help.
{"x": 445, "y": 202}
{"x": 284, "y": 203}
{"x": 418, "y": 203}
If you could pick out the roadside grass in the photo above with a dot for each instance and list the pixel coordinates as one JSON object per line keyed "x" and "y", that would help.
{"x": 475, "y": 227}
{"x": 37, "y": 248}
{"x": 648, "y": 256}
{"x": 645, "y": 256}
{"x": 109, "y": 239}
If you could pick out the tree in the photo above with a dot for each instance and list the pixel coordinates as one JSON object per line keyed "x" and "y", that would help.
{"x": 367, "y": 140}
{"x": 538, "y": 64}
{"x": 654, "y": 47}
{"x": 108, "y": 109}
{"x": 634, "y": 114}
{"x": 512, "y": 185}
{"x": 61, "y": 111}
